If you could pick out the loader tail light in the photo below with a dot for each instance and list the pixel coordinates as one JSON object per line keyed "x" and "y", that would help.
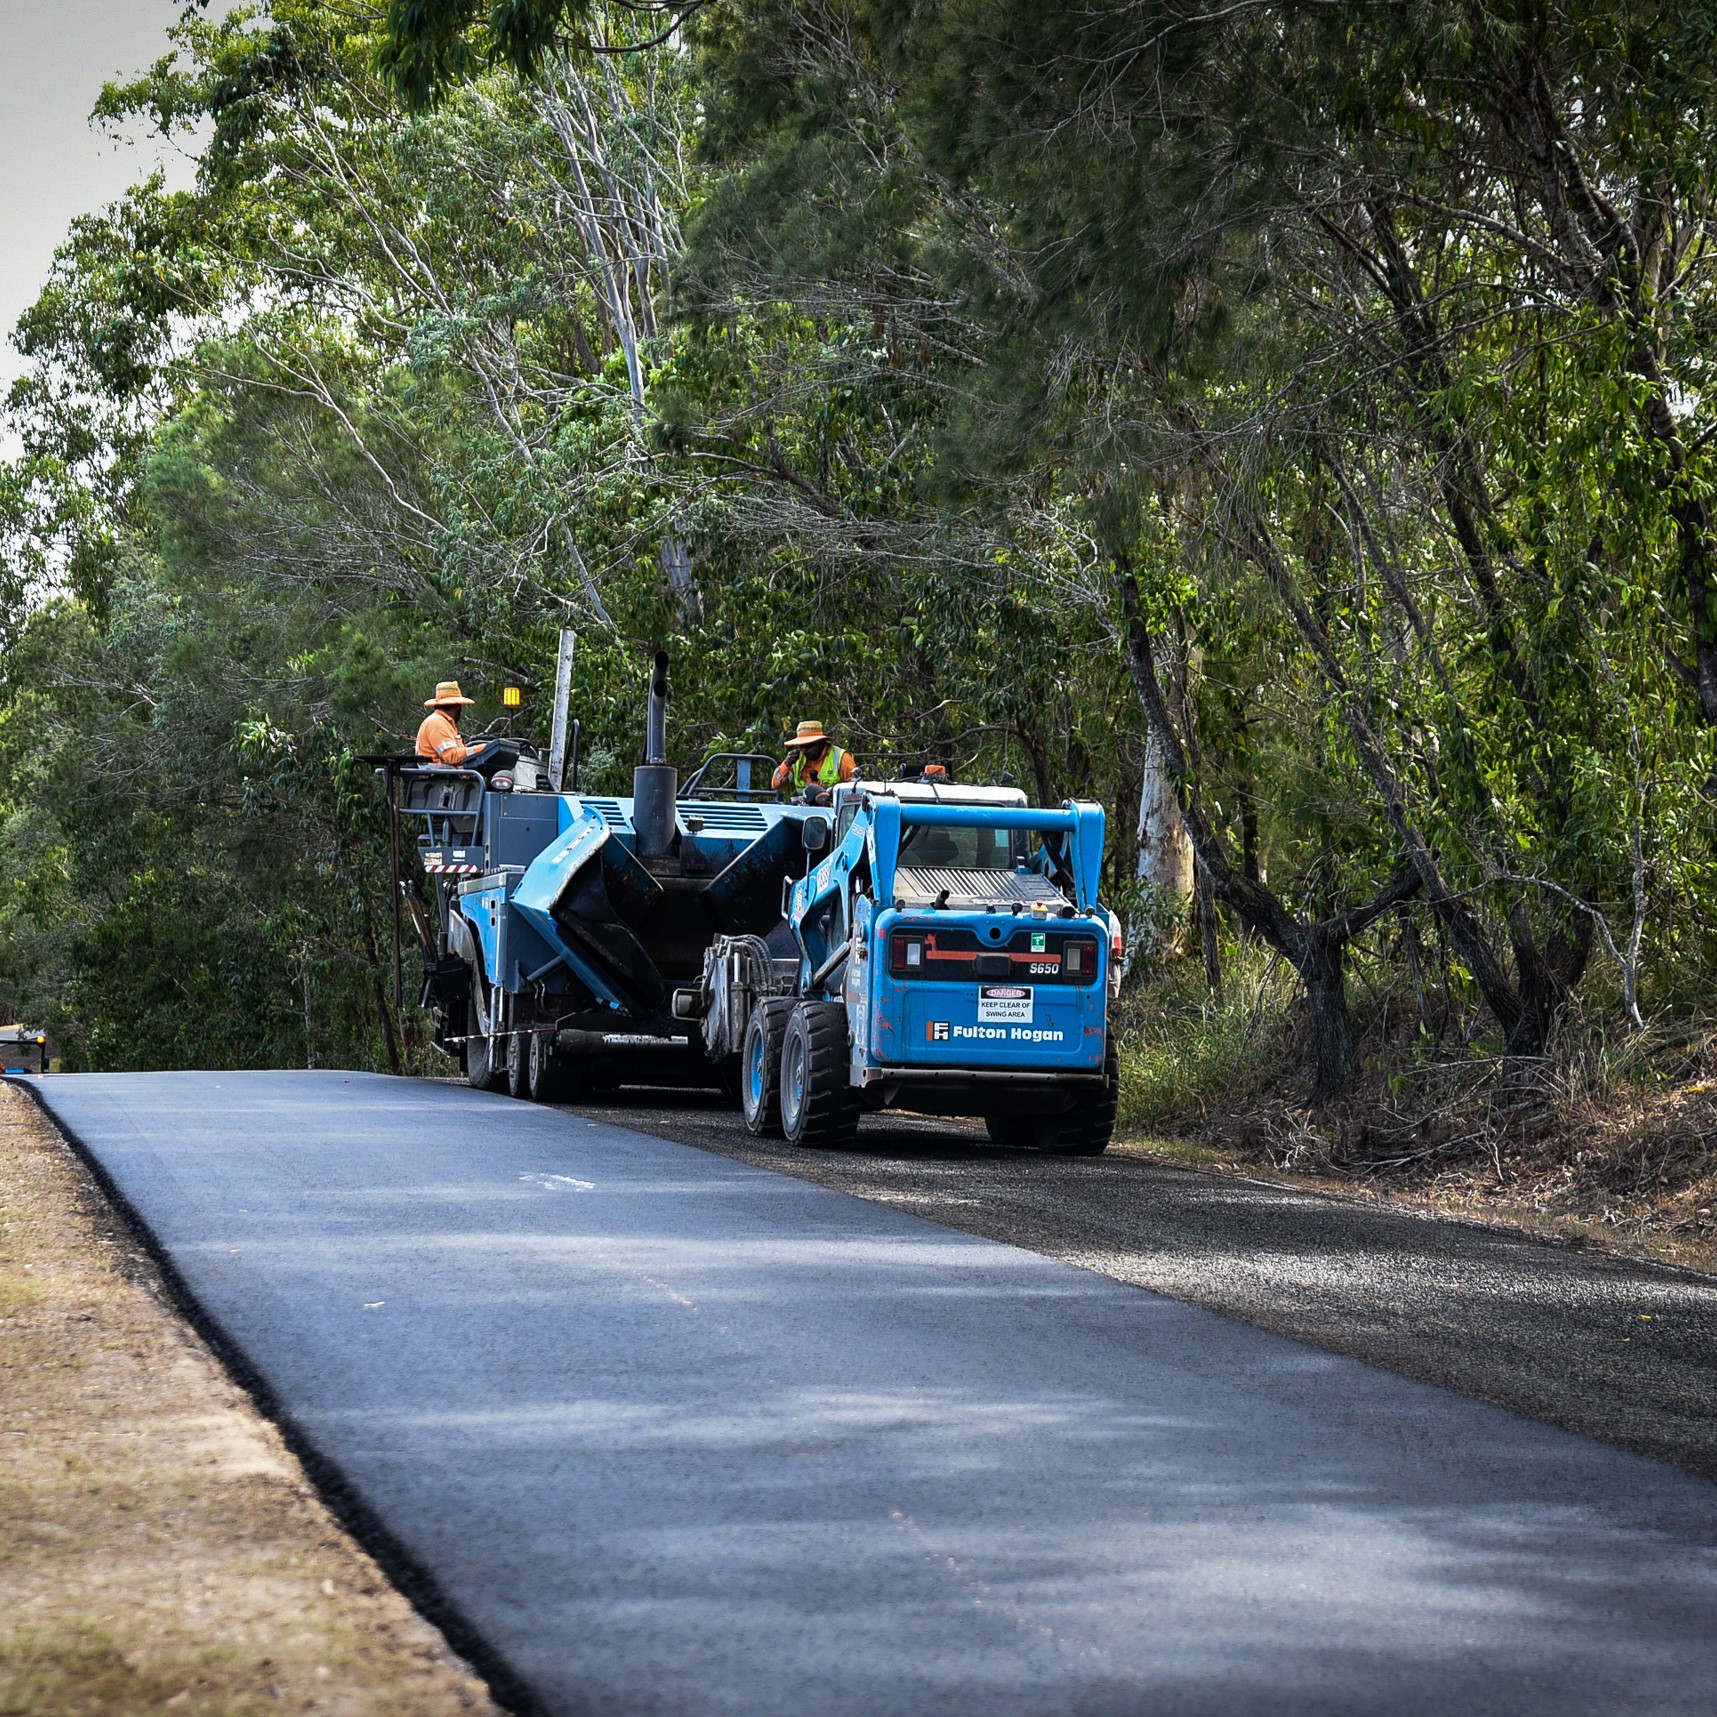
{"x": 1115, "y": 957}
{"x": 906, "y": 954}
{"x": 1079, "y": 959}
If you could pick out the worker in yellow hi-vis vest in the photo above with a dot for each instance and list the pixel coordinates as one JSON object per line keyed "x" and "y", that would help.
{"x": 813, "y": 764}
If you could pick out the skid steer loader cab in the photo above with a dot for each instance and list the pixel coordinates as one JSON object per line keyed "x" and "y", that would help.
{"x": 983, "y": 949}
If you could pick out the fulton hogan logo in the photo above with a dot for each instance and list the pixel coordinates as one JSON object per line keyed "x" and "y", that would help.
{"x": 941, "y": 1031}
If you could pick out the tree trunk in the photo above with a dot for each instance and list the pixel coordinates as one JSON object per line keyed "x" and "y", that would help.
{"x": 1207, "y": 936}
{"x": 379, "y": 985}
{"x": 1165, "y": 849}
{"x": 1318, "y": 960}
{"x": 1414, "y": 960}
{"x": 1546, "y": 978}
{"x": 1032, "y": 739}
{"x": 1251, "y": 859}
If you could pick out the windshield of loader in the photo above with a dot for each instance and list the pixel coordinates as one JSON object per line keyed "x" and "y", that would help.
{"x": 964, "y": 849}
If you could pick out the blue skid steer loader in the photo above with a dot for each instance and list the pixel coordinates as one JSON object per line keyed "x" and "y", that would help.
{"x": 948, "y": 955}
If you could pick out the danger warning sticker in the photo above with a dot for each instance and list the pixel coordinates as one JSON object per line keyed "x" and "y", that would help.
{"x": 1004, "y": 1004}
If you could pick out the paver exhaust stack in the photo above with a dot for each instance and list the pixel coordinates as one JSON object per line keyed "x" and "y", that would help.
{"x": 655, "y": 781}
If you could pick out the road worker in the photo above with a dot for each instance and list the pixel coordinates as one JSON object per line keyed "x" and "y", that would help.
{"x": 813, "y": 765}
{"x": 439, "y": 739}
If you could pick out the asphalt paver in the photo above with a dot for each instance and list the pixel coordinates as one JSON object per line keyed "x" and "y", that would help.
{"x": 669, "y": 1432}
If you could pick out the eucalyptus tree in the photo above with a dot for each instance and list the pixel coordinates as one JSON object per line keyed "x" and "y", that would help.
{"x": 345, "y": 417}
{"x": 377, "y": 400}
{"x": 1297, "y": 407}
{"x": 1374, "y": 308}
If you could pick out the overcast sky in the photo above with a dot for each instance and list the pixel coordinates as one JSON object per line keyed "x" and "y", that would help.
{"x": 54, "y": 57}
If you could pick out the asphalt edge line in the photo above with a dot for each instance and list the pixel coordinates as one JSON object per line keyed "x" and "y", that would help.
{"x": 408, "y": 1576}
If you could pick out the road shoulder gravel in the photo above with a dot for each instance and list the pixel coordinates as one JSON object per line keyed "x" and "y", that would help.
{"x": 163, "y": 1547}
{"x": 1457, "y": 1200}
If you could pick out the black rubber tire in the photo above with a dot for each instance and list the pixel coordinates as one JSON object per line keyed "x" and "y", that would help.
{"x": 518, "y": 1064}
{"x": 760, "y": 1067}
{"x": 483, "y": 1070}
{"x": 819, "y": 1106}
{"x": 1087, "y": 1127}
{"x": 549, "y": 1078}
{"x": 1012, "y": 1132}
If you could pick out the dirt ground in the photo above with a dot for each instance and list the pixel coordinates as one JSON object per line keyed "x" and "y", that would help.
{"x": 163, "y": 1550}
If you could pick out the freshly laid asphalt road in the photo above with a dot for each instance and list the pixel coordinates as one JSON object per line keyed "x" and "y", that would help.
{"x": 1616, "y": 1347}
{"x": 670, "y": 1433}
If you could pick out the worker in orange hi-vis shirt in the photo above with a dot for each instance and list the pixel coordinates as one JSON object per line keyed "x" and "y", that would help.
{"x": 440, "y": 741}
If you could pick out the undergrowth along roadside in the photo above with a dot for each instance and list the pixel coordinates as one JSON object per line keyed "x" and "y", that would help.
{"x": 1610, "y": 1137}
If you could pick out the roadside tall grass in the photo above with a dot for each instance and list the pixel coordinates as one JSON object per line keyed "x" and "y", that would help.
{"x": 1184, "y": 1054}
{"x": 1610, "y": 1135}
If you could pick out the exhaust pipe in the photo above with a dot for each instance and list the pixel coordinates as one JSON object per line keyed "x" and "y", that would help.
{"x": 655, "y": 782}
{"x": 656, "y": 737}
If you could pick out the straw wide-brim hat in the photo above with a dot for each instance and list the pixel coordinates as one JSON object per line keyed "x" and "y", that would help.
{"x": 810, "y": 733}
{"x": 446, "y": 691}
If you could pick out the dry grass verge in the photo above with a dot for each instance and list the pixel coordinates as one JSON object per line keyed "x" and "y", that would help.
{"x": 163, "y": 1549}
